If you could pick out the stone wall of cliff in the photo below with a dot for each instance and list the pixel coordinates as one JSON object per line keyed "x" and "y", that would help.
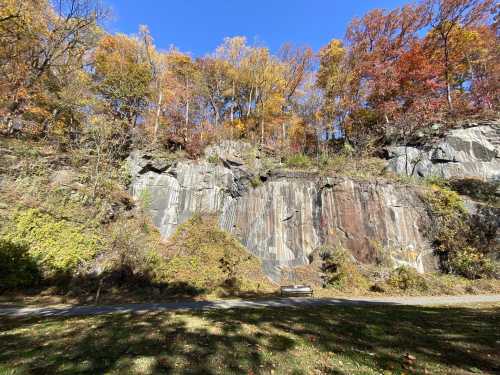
{"x": 289, "y": 214}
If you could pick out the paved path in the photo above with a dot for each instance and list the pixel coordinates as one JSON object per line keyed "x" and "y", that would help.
{"x": 231, "y": 304}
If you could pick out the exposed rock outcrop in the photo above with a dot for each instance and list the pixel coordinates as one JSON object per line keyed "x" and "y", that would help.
{"x": 472, "y": 152}
{"x": 290, "y": 214}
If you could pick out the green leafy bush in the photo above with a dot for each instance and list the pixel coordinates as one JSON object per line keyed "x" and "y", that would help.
{"x": 299, "y": 161}
{"x": 204, "y": 256}
{"x": 407, "y": 279}
{"x": 146, "y": 198}
{"x": 340, "y": 271}
{"x": 449, "y": 228}
{"x": 436, "y": 181}
{"x": 255, "y": 182}
{"x": 471, "y": 264}
{"x": 460, "y": 248}
{"x": 446, "y": 203}
{"x": 356, "y": 167}
{"x": 131, "y": 244}
{"x": 213, "y": 159}
{"x": 58, "y": 246}
{"x": 17, "y": 268}
{"x": 125, "y": 174}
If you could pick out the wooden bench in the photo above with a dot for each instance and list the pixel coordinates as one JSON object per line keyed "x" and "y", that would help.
{"x": 296, "y": 290}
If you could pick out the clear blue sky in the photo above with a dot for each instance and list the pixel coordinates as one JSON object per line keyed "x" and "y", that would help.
{"x": 199, "y": 26}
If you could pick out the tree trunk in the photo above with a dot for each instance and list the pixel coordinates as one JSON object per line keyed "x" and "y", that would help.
{"x": 448, "y": 95}
{"x": 471, "y": 72}
{"x": 96, "y": 173}
{"x": 187, "y": 103}
{"x": 216, "y": 111}
{"x": 47, "y": 121}
{"x": 262, "y": 131}
{"x": 232, "y": 104}
{"x": 249, "y": 102}
{"x": 318, "y": 132}
{"x": 447, "y": 74}
{"x": 157, "y": 116}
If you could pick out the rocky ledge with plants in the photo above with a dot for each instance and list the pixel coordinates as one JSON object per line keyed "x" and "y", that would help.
{"x": 133, "y": 172}
{"x": 237, "y": 222}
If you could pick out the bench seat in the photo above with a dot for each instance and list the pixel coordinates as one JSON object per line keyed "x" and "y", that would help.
{"x": 296, "y": 290}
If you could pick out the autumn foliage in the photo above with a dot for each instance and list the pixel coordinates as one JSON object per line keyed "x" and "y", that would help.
{"x": 415, "y": 64}
{"x": 395, "y": 71}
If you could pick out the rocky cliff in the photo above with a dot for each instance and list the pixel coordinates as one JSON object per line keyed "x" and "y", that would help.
{"x": 283, "y": 216}
{"x": 472, "y": 152}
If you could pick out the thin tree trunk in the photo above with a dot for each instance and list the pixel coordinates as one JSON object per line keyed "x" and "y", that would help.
{"x": 157, "y": 117}
{"x": 447, "y": 74}
{"x": 448, "y": 94}
{"x": 47, "y": 121}
{"x": 96, "y": 171}
{"x": 262, "y": 130}
{"x": 10, "y": 126}
{"x": 232, "y": 104}
{"x": 187, "y": 103}
{"x": 216, "y": 111}
{"x": 249, "y": 102}
{"x": 471, "y": 69}
{"x": 98, "y": 294}
{"x": 471, "y": 72}
{"x": 316, "y": 127}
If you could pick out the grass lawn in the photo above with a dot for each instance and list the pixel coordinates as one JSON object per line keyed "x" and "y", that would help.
{"x": 320, "y": 340}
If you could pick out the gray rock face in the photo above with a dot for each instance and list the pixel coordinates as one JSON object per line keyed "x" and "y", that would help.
{"x": 463, "y": 153}
{"x": 289, "y": 215}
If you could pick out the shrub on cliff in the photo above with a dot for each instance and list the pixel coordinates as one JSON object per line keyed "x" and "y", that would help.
{"x": 454, "y": 237}
{"x": 202, "y": 255}
{"x": 340, "y": 270}
{"x": 131, "y": 251}
{"x": 299, "y": 161}
{"x": 57, "y": 246}
{"x": 477, "y": 189}
{"x": 472, "y": 264}
{"x": 17, "y": 267}
{"x": 450, "y": 219}
{"x": 407, "y": 279}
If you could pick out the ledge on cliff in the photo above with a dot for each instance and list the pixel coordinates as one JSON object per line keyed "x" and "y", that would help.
{"x": 472, "y": 152}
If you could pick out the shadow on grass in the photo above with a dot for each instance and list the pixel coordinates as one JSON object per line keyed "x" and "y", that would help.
{"x": 328, "y": 339}
{"x": 116, "y": 287}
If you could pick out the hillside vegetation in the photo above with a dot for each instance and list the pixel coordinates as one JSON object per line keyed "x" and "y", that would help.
{"x": 76, "y": 100}
{"x": 56, "y": 230}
